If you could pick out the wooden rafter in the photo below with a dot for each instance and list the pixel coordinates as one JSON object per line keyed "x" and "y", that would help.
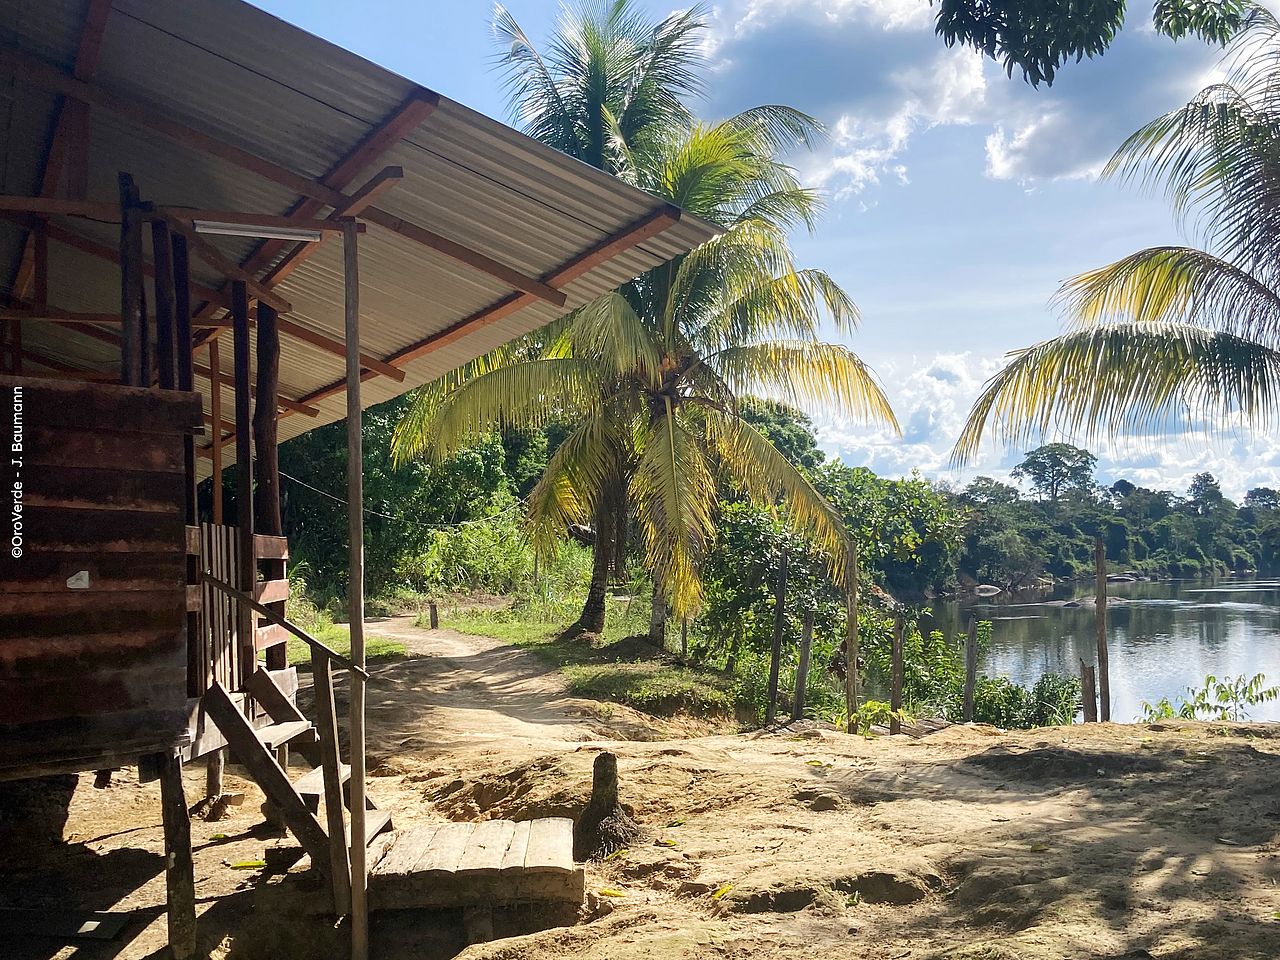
{"x": 70, "y": 129}
{"x": 39, "y": 71}
{"x": 625, "y": 239}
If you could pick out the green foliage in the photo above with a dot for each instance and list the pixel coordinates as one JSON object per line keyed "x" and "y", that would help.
{"x": 1038, "y": 37}
{"x": 1225, "y": 699}
{"x": 876, "y": 713}
{"x": 653, "y": 687}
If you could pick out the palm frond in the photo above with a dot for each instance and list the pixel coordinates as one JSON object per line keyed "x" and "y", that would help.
{"x": 576, "y": 475}
{"x": 806, "y": 374}
{"x": 1179, "y": 284}
{"x": 1120, "y": 378}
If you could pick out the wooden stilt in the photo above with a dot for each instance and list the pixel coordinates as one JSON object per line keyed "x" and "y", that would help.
{"x": 1088, "y": 692}
{"x": 214, "y": 768}
{"x": 355, "y": 597}
{"x": 179, "y": 870}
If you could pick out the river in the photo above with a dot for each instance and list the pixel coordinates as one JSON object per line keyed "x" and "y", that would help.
{"x": 1163, "y": 637}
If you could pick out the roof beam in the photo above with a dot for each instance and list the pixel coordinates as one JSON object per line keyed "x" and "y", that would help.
{"x": 70, "y": 129}
{"x": 380, "y": 184}
{"x": 38, "y": 71}
{"x": 210, "y": 254}
{"x": 284, "y": 403}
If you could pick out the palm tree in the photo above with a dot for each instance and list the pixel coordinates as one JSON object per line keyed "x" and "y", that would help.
{"x": 650, "y": 374}
{"x": 1173, "y": 335}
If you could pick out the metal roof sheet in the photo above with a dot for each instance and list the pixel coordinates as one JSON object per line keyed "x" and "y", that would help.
{"x": 253, "y": 81}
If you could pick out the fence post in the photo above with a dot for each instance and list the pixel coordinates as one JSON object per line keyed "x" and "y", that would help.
{"x": 970, "y": 668}
{"x": 1100, "y": 624}
{"x": 851, "y": 655}
{"x": 1088, "y": 693}
{"x": 895, "y": 692}
{"x": 779, "y": 622}
{"x": 802, "y": 669}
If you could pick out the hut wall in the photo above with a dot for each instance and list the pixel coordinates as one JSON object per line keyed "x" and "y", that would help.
{"x": 93, "y": 646}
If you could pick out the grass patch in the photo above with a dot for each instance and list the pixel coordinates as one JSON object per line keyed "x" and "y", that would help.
{"x": 638, "y": 677}
{"x": 337, "y": 637}
{"x": 653, "y": 687}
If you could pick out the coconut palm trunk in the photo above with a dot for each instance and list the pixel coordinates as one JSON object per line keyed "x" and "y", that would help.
{"x": 591, "y": 620}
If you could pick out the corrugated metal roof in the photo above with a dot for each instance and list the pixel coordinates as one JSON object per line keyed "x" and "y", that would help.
{"x": 257, "y": 83}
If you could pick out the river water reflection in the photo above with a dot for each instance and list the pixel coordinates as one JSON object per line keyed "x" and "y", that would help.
{"x": 1163, "y": 637}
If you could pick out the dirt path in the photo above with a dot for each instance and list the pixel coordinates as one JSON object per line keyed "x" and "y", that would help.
{"x": 1105, "y": 842}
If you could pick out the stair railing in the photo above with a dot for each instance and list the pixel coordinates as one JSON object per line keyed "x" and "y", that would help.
{"x": 322, "y": 660}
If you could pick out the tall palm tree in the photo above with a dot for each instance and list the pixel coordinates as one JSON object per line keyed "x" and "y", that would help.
{"x": 1173, "y": 334}
{"x": 650, "y": 374}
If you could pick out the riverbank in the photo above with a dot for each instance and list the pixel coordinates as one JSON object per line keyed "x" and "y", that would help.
{"x": 1104, "y": 841}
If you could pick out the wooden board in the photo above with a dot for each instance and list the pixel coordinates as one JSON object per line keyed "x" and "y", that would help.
{"x": 18, "y": 924}
{"x": 493, "y": 862}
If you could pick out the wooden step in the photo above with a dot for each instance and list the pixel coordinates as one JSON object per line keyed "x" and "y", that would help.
{"x": 248, "y": 748}
{"x": 311, "y": 785}
{"x": 375, "y": 821}
{"x": 278, "y": 734}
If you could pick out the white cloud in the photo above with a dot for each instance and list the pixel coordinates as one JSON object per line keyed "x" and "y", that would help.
{"x": 933, "y": 401}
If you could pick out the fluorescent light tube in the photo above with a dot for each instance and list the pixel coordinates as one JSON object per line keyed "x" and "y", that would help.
{"x": 219, "y": 229}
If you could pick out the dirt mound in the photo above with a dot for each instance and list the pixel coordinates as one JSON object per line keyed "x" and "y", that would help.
{"x": 883, "y": 886}
{"x": 549, "y": 786}
{"x": 1061, "y": 764}
{"x": 633, "y": 649}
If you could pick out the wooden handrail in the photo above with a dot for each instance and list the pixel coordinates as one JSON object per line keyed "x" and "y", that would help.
{"x": 280, "y": 621}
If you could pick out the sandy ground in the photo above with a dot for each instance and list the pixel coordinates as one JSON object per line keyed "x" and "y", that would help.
{"x": 1107, "y": 842}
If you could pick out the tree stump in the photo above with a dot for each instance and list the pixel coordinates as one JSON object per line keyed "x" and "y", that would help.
{"x": 604, "y": 826}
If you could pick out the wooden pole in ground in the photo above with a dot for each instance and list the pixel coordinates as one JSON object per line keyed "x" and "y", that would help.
{"x": 851, "y": 653}
{"x": 1088, "y": 693}
{"x": 266, "y": 504}
{"x": 970, "y": 668}
{"x": 802, "y": 668}
{"x": 166, "y": 305}
{"x": 684, "y": 638}
{"x": 248, "y": 653}
{"x": 779, "y": 622}
{"x": 355, "y": 595}
{"x": 179, "y": 871}
{"x": 131, "y": 325}
{"x": 1100, "y": 625}
{"x": 895, "y": 685}
{"x": 215, "y": 406}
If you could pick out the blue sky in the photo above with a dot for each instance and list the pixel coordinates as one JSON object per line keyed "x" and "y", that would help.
{"x": 958, "y": 198}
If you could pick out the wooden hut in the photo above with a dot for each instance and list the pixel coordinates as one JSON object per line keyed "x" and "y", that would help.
{"x": 185, "y": 186}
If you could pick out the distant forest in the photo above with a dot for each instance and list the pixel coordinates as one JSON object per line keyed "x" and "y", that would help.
{"x": 457, "y": 526}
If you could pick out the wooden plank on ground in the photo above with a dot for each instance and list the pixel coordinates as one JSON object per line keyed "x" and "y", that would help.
{"x": 445, "y": 852}
{"x": 513, "y": 857}
{"x": 550, "y": 846}
{"x": 486, "y": 847}
{"x": 409, "y": 847}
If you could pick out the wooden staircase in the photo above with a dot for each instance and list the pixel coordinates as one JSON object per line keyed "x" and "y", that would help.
{"x": 260, "y": 749}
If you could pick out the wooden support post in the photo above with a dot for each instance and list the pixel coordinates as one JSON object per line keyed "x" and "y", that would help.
{"x": 1100, "y": 626}
{"x": 1088, "y": 693}
{"x": 166, "y": 306}
{"x": 779, "y": 623}
{"x": 182, "y": 351}
{"x": 851, "y": 652}
{"x": 684, "y": 638}
{"x": 802, "y": 668}
{"x": 433, "y": 611}
{"x": 355, "y": 596}
{"x": 970, "y": 668}
{"x": 244, "y": 475}
{"x": 132, "y": 327}
{"x": 179, "y": 871}
{"x": 266, "y": 420}
{"x": 331, "y": 762}
{"x": 215, "y": 406}
{"x": 214, "y": 767}
{"x": 895, "y": 678}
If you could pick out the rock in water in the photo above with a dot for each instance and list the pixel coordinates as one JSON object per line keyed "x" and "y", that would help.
{"x": 604, "y": 826}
